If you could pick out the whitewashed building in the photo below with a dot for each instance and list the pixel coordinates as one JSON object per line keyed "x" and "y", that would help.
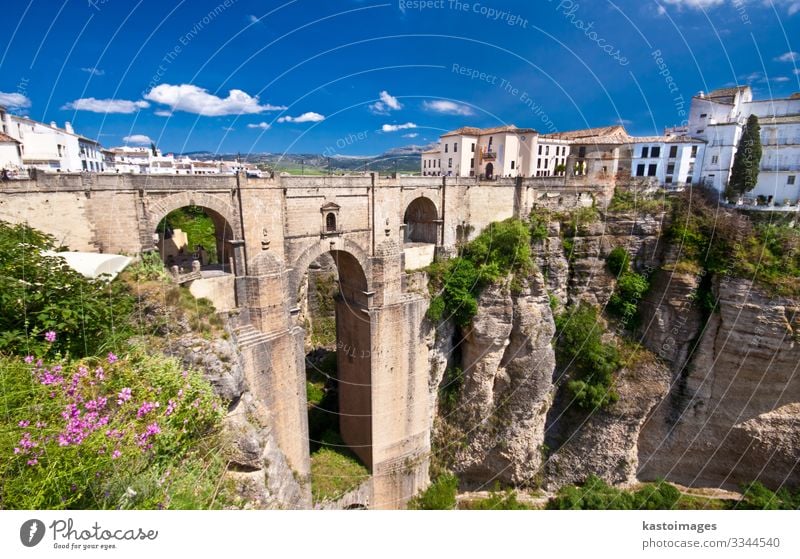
{"x": 50, "y": 148}
{"x": 671, "y": 161}
{"x": 719, "y": 118}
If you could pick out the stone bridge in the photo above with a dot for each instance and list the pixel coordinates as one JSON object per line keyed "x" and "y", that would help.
{"x": 377, "y": 230}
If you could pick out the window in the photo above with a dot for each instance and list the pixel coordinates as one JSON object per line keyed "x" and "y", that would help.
{"x": 84, "y": 164}
{"x": 472, "y": 163}
{"x": 455, "y": 148}
{"x": 704, "y": 115}
{"x": 640, "y": 170}
{"x": 671, "y": 168}
{"x": 645, "y": 152}
{"x": 714, "y": 159}
{"x": 545, "y": 163}
{"x": 673, "y": 152}
{"x": 512, "y": 165}
{"x": 605, "y": 169}
{"x": 790, "y": 179}
{"x": 539, "y": 163}
{"x": 694, "y": 151}
{"x": 655, "y": 151}
{"x": 446, "y": 147}
{"x": 701, "y": 130}
{"x": 547, "y": 150}
{"x": 473, "y": 147}
{"x": 652, "y": 170}
{"x": 330, "y": 223}
{"x": 582, "y": 151}
{"x": 449, "y": 162}
{"x": 540, "y": 150}
{"x": 668, "y": 180}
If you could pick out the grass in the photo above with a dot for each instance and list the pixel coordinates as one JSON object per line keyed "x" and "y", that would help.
{"x": 335, "y": 470}
{"x": 628, "y": 201}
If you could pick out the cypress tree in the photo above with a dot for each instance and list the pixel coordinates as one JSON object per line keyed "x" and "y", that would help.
{"x": 747, "y": 161}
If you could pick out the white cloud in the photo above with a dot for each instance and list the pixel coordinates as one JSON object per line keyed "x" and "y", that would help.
{"x": 447, "y": 107}
{"x": 790, "y": 56}
{"x": 122, "y": 106}
{"x": 396, "y": 127}
{"x": 14, "y": 100}
{"x": 192, "y": 99}
{"x": 262, "y": 125}
{"x": 137, "y": 139}
{"x": 781, "y": 79}
{"x": 162, "y": 112}
{"x": 253, "y": 19}
{"x": 412, "y": 135}
{"x": 792, "y": 6}
{"x": 93, "y": 70}
{"x": 386, "y": 104}
{"x": 305, "y": 117}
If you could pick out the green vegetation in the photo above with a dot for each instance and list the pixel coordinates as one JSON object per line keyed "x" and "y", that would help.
{"x": 501, "y": 249}
{"x": 497, "y": 500}
{"x": 198, "y": 226}
{"x": 132, "y": 432}
{"x": 726, "y": 242}
{"x": 539, "y": 224}
{"x": 746, "y": 162}
{"x": 441, "y": 495}
{"x": 591, "y": 363}
{"x": 595, "y": 494}
{"x": 451, "y": 387}
{"x": 630, "y": 201}
{"x": 39, "y": 294}
{"x": 630, "y": 288}
{"x": 334, "y": 469}
{"x": 756, "y": 496}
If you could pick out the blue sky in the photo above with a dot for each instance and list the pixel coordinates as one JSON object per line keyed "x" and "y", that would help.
{"x": 358, "y": 77}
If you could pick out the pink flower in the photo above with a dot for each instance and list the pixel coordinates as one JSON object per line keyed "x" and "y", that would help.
{"x": 29, "y": 359}
{"x": 111, "y": 358}
{"x": 170, "y": 408}
{"x": 24, "y": 423}
{"x": 146, "y": 408}
{"x": 123, "y": 396}
{"x": 33, "y": 462}
{"x": 116, "y": 454}
{"x": 100, "y": 373}
{"x": 50, "y": 336}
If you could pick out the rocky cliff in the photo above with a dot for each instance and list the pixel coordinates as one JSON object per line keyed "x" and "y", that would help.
{"x": 709, "y": 398}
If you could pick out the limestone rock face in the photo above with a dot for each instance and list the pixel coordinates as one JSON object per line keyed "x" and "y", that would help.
{"x": 217, "y": 360}
{"x": 604, "y": 443}
{"x": 548, "y": 255}
{"x": 508, "y": 366}
{"x": 732, "y": 415}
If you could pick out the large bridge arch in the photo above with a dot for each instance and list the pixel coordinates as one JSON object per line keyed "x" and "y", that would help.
{"x": 300, "y": 264}
{"x": 222, "y": 214}
{"x": 421, "y": 220}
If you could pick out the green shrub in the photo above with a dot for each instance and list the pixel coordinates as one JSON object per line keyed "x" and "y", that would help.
{"x": 618, "y": 261}
{"x": 540, "y": 225}
{"x": 591, "y": 363}
{"x": 112, "y": 433}
{"x": 756, "y": 496}
{"x": 41, "y": 294}
{"x": 197, "y": 225}
{"x": 497, "y": 500}
{"x": 596, "y": 494}
{"x": 441, "y": 495}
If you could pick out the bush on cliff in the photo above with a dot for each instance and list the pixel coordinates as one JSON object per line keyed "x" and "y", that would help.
{"x": 596, "y": 494}
{"x": 440, "y": 495}
{"x": 589, "y": 362}
{"x": 501, "y": 249}
{"x": 630, "y": 288}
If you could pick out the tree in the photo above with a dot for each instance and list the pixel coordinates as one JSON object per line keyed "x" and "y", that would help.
{"x": 153, "y": 148}
{"x": 747, "y": 161}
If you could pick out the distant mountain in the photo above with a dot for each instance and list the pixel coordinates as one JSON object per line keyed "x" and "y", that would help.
{"x": 405, "y": 159}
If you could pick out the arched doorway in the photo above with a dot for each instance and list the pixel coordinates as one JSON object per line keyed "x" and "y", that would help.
{"x": 421, "y": 221}
{"x": 489, "y": 170}
{"x": 195, "y": 233}
{"x": 333, "y": 297}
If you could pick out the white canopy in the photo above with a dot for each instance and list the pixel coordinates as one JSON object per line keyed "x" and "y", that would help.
{"x": 92, "y": 264}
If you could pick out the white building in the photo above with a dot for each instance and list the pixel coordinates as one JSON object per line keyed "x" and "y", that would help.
{"x": 719, "y": 118}
{"x": 502, "y": 151}
{"x": 672, "y": 161}
{"x": 49, "y": 148}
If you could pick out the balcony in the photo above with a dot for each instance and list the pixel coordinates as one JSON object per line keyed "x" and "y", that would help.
{"x": 488, "y": 155}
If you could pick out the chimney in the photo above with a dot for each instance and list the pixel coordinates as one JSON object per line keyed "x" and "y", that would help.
{"x": 53, "y": 124}
{"x": 701, "y": 95}
{"x": 68, "y": 127}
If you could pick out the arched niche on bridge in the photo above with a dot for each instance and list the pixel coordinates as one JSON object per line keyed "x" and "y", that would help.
{"x": 343, "y": 383}
{"x": 220, "y": 214}
{"x": 421, "y": 221}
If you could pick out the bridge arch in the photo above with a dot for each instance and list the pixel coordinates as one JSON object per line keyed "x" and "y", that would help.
{"x": 311, "y": 253}
{"x": 222, "y": 214}
{"x": 421, "y": 221}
